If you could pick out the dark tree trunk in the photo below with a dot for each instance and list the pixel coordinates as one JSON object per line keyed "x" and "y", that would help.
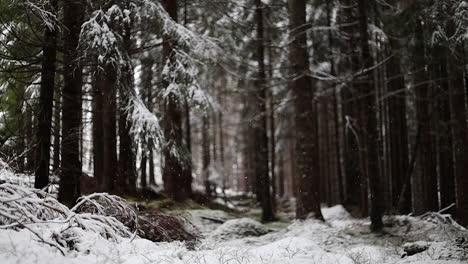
{"x": 398, "y": 131}
{"x": 176, "y": 170}
{"x": 107, "y": 83}
{"x": 444, "y": 136}
{"x": 307, "y": 179}
{"x": 335, "y": 109}
{"x": 459, "y": 134}
{"x": 98, "y": 135}
{"x": 127, "y": 176}
{"x": 46, "y": 103}
{"x": 260, "y": 125}
{"x": 221, "y": 150}
{"x": 371, "y": 133}
{"x": 425, "y": 177}
{"x": 355, "y": 185}
{"x": 143, "y": 162}
{"x": 206, "y": 155}
{"x": 69, "y": 190}
{"x": 127, "y": 160}
{"x": 144, "y": 145}
{"x": 281, "y": 178}
{"x": 29, "y": 139}
{"x": 57, "y": 111}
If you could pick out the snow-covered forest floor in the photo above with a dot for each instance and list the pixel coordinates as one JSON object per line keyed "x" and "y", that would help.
{"x": 227, "y": 238}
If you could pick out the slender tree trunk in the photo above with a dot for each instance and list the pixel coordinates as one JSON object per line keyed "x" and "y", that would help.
{"x": 69, "y": 190}
{"x": 127, "y": 177}
{"x": 307, "y": 179}
{"x": 370, "y": 125}
{"x": 144, "y": 94}
{"x": 459, "y": 134}
{"x": 57, "y": 136}
{"x": 46, "y": 103}
{"x": 127, "y": 159}
{"x": 335, "y": 108}
{"x": 281, "y": 178}
{"x": 176, "y": 170}
{"x": 29, "y": 140}
{"x": 260, "y": 125}
{"x": 106, "y": 82}
{"x": 98, "y": 135}
{"x": 425, "y": 178}
{"x": 206, "y": 155}
{"x": 354, "y": 183}
{"x": 221, "y": 151}
{"x": 439, "y": 70}
{"x": 143, "y": 162}
{"x": 398, "y": 130}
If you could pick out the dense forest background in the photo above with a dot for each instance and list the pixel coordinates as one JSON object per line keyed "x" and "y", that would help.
{"x": 354, "y": 102}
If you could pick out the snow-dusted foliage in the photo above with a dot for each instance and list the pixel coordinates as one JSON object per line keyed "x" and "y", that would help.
{"x": 143, "y": 120}
{"x": 103, "y": 35}
{"x": 22, "y": 205}
{"x": 450, "y": 21}
{"x": 108, "y": 205}
{"x": 42, "y": 10}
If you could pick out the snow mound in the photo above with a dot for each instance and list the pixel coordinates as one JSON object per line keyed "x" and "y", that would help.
{"x": 415, "y": 247}
{"x": 442, "y": 251}
{"x": 337, "y": 212}
{"x": 428, "y": 227}
{"x": 239, "y": 228}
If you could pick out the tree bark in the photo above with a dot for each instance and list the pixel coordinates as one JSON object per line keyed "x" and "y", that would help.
{"x": 206, "y": 155}
{"x": 307, "y": 178}
{"x": 69, "y": 190}
{"x": 46, "y": 102}
{"x": 439, "y": 71}
{"x": 98, "y": 135}
{"x": 398, "y": 130}
{"x": 106, "y": 82}
{"x": 57, "y": 136}
{"x": 425, "y": 178}
{"x": 459, "y": 134}
{"x": 371, "y": 133}
{"x": 176, "y": 170}
{"x": 127, "y": 176}
{"x": 260, "y": 125}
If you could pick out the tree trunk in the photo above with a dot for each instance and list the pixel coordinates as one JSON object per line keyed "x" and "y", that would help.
{"x": 425, "y": 178}
{"x": 307, "y": 179}
{"x": 46, "y": 103}
{"x": 106, "y": 82}
{"x": 176, "y": 170}
{"x": 371, "y": 133}
{"x": 460, "y": 135}
{"x": 127, "y": 176}
{"x": 260, "y": 125}
{"x": 69, "y": 190}
{"x": 444, "y": 142}
{"x": 143, "y": 162}
{"x": 206, "y": 155}
{"x": 57, "y": 136}
{"x": 398, "y": 131}
{"x": 98, "y": 135}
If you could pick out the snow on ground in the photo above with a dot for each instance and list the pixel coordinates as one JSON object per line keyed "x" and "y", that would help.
{"x": 342, "y": 239}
